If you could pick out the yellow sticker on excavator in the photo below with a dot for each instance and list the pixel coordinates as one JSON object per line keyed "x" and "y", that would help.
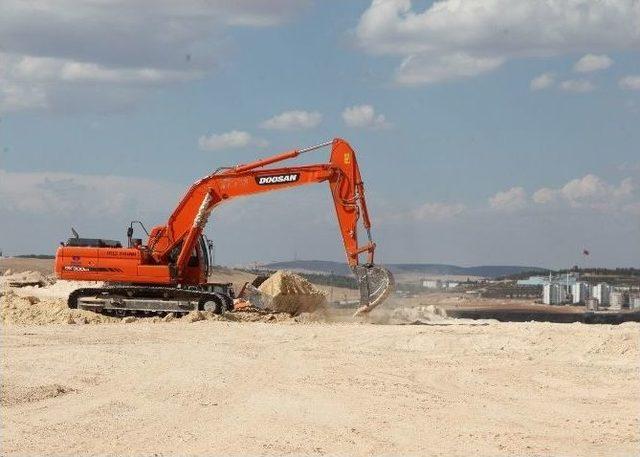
{"x": 347, "y": 158}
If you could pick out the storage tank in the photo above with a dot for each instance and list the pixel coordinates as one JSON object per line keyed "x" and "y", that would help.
{"x": 546, "y": 294}
{"x": 553, "y": 294}
{"x": 591, "y": 303}
{"x": 617, "y": 299}
{"x": 579, "y": 292}
{"x": 601, "y": 292}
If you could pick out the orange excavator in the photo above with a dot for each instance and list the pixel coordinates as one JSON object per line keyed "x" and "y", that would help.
{"x": 169, "y": 273}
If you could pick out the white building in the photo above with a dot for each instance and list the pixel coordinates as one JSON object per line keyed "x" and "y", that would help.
{"x": 601, "y": 293}
{"x": 533, "y": 281}
{"x": 431, "y": 283}
{"x": 554, "y": 294}
{"x": 580, "y": 291}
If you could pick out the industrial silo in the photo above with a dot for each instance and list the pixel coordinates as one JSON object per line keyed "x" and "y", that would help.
{"x": 553, "y": 294}
{"x": 601, "y": 292}
{"x": 617, "y": 299}
{"x": 579, "y": 292}
{"x": 591, "y": 303}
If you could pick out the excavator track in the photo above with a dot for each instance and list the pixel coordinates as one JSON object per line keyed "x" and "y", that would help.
{"x": 123, "y": 300}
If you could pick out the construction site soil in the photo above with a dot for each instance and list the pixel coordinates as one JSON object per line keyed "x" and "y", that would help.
{"x": 260, "y": 382}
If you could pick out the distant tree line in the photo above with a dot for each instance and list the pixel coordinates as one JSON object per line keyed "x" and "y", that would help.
{"x": 525, "y": 275}
{"x": 35, "y": 256}
{"x": 603, "y": 271}
{"x": 317, "y": 278}
{"x": 331, "y": 280}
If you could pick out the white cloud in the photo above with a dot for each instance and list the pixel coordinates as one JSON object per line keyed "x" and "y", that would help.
{"x": 360, "y": 116}
{"x": 234, "y": 139}
{"x": 592, "y": 62}
{"x": 59, "y": 194}
{"x": 543, "y": 81}
{"x": 438, "y": 211}
{"x": 250, "y": 13}
{"x": 47, "y": 204}
{"x": 47, "y": 69}
{"x": 630, "y": 82}
{"x": 544, "y": 195}
{"x": 94, "y": 50}
{"x": 509, "y": 200}
{"x": 588, "y": 187}
{"x": 417, "y": 69}
{"x": 293, "y": 120}
{"x": 28, "y": 82}
{"x": 633, "y": 167}
{"x": 589, "y": 191}
{"x": 17, "y": 97}
{"x": 577, "y": 85}
{"x": 453, "y": 39}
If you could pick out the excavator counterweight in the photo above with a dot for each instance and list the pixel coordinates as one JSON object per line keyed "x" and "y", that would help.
{"x": 170, "y": 271}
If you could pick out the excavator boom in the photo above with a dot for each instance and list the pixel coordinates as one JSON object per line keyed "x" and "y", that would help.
{"x": 170, "y": 255}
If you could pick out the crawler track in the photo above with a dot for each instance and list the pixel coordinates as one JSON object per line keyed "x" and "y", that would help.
{"x": 123, "y": 300}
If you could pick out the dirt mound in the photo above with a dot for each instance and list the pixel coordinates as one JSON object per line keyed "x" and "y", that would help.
{"x": 420, "y": 315}
{"x": 290, "y": 293}
{"x": 25, "y": 278}
{"x": 29, "y": 310}
{"x": 285, "y": 294}
{"x": 19, "y": 309}
{"x": 56, "y": 289}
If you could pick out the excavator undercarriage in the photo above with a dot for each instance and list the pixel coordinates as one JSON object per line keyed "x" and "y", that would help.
{"x": 122, "y": 300}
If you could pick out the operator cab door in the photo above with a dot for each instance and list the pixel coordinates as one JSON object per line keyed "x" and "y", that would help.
{"x": 197, "y": 270}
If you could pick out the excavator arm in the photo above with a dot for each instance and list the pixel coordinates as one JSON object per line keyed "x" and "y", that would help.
{"x": 174, "y": 242}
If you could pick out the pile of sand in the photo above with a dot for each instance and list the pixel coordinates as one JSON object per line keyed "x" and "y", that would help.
{"x": 25, "y": 278}
{"x": 284, "y": 295}
{"x": 419, "y": 315}
{"x": 16, "y": 308}
{"x": 288, "y": 292}
{"x": 29, "y": 310}
{"x": 44, "y": 303}
{"x": 56, "y": 289}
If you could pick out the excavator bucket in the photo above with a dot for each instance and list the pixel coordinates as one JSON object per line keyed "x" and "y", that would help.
{"x": 376, "y": 283}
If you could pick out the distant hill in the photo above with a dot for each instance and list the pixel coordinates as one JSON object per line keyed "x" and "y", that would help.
{"x": 426, "y": 269}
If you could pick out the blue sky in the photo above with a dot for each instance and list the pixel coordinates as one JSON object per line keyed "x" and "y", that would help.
{"x": 488, "y": 132}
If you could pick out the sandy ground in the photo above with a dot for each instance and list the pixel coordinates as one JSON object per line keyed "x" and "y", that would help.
{"x": 44, "y": 266}
{"x": 221, "y": 387}
{"x": 211, "y": 388}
